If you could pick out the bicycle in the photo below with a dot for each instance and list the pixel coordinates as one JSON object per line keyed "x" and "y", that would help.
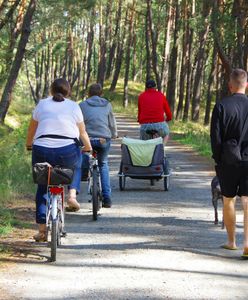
{"x": 94, "y": 184}
{"x": 55, "y": 178}
{"x": 55, "y": 217}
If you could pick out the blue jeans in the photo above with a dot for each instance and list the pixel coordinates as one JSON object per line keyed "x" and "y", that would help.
{"x": 68, "y": 156}
{"x": 102, "y": 157}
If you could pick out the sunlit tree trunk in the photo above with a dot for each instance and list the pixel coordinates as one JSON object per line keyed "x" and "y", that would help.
{"x": 25, "y": 32}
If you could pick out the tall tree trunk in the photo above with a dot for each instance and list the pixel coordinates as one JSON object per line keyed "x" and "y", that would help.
{"x": 115, "y": 37}
{"x": 183, "y": 66}
{"x": 103, "y": 37}
{"x": 128, "y": 54}
{"x": 200, "y": 64}
{"x": 119, "y": 58}
{"x": 171, "y": 89}
{"x": 189, "y": 39}
{"x": 14, "y": 34}
{"x": 210, "y": 87}
{"x": 153, "y": 44}
{"x": 7, "y": 93}
{"x": 90, "y": 41}
{"x": 214, "y": 26}
{"x": 167, "y": 41}
{"x": 9, "y": 14}
{"x": 148, "y": 54}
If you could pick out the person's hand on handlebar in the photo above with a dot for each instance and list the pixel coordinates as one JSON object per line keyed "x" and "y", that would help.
{"x": 86, "y": 150}
{"x": 29, "y": 147}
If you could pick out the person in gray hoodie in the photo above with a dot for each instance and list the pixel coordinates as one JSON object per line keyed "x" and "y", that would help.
{"x": 101, "y": 127}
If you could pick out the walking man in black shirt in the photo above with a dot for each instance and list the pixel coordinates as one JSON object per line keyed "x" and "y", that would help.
{"x": 229, "y": 141}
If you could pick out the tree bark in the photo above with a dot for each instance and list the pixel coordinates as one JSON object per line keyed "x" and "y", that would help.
{"x": 214, "y": 25}
{"x": 189, "y": 39}
{"x": 210, "y": 87}
{"x": 148, "y": 54}
{"x": 25, "y": 32}
{"x": 171, "y": 89}
{"x": 9, "y": 14}
{"x": 115, "y": 37}
{"x": 103, "y": 37}
{"x": 119, "y": 58}
{"x": 153, "y": 44}
{"x": 167, "y": 41}
{"x": 200, "y": 64}
{"x": 128, "y": 54}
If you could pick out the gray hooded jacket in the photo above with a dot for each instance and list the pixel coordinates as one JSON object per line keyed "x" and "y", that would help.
{"x": 98, "y": 117}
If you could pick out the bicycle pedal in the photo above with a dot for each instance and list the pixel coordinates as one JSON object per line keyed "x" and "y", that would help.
{"x": 63, "y": 234}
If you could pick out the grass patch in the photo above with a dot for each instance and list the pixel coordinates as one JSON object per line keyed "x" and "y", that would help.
{"x": 192, "y": 134}
{"x": 116, "y": 97}
{"x": 8, "y": 220}
{"x": 15, "y": 174}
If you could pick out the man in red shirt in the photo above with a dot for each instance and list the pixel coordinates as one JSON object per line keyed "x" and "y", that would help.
{"x": 153, "y": 112}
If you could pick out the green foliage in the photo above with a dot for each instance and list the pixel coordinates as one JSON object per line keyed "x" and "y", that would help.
{"x": 116, "y": 97}
{"x": 15, "y": 166}
{"x": 8, "y": 220}
{"x": 193, "y": 134}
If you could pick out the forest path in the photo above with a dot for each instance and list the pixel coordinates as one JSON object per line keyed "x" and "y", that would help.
{"x": 150, "y": 244}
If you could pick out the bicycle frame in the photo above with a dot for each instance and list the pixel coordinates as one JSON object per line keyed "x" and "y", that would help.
{"x": 55, "y": 216}
{"x": 93, "y": 165}
{"x": 55, "y": 202}
{"x": 94, "y": 185}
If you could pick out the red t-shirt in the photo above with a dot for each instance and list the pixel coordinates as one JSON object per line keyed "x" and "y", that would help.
{"x": 152, "y": 105}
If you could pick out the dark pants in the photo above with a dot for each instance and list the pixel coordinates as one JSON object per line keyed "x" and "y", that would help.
{"x": 68, "y": 156}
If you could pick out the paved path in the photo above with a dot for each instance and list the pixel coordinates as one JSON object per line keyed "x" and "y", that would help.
{"x": 151, "y": 245}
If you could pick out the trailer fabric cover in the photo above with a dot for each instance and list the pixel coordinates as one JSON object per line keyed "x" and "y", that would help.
{"x": 141, "y": 151}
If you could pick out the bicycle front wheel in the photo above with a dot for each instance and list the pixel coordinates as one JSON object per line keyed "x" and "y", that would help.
{"x": 54, "y": 239}
{"x": 95, "y": 194}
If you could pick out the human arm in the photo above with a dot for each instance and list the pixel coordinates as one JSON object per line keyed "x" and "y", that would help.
{"x": 112, "y": 123}
{"x": 215, "y": 134}
{"x": 84, "y": 137}
{"x": 167, "y": 110}
{"x": 139, "y": 110}
{"x": 30, "y": 134}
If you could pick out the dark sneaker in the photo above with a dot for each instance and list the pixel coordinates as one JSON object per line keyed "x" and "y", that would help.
{"x": 107, "y": 203}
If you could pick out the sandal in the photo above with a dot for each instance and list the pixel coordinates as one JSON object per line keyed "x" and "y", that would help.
{"x": 73, "y": 205}
{"x": 40, "y": 237}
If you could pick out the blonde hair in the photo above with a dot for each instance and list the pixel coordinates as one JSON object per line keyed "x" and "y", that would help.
{"x": 238, "y": 77}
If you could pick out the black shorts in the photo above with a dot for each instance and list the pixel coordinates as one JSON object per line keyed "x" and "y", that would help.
{"x": 233, "y": 180}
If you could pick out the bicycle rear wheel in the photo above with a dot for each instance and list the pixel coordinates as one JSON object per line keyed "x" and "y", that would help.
{"x": 95, "y": 194}
{"x": 54, "y": 239}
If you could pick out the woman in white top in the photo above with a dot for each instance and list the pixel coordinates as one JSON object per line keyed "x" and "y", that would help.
{"x": 55, "y": 125}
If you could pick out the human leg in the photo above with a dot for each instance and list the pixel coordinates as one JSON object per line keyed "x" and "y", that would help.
{"x": 70, "y": 156}
{"x": 102, "y": 147}
{"x": 244, "y": 200}
{"x": 230, "y": 220}
{"x": 165, "y": 139}
{"x": 85, "y": 166}
{"x": 229, "y": 178}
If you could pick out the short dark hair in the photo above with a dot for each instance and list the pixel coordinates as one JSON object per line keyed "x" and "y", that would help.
{"x": 238, "y": 77}
{"x": 150, "y": 84}
{"x": 95, "y": 89}
{"x": 60, "y": 88}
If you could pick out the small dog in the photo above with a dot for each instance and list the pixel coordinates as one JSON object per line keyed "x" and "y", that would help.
{"x": 216, "y": 195}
